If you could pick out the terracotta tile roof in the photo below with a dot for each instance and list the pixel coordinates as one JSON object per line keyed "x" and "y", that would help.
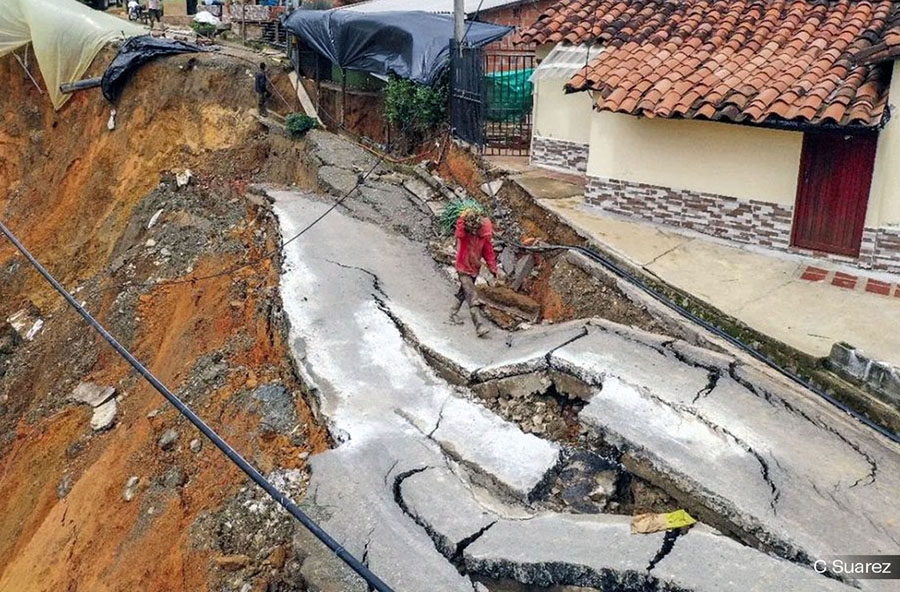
{"x": 737, "y": 60}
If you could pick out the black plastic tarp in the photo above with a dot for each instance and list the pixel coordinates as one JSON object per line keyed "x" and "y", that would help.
{"x": 133, "y": 54}
{"x": 413, "y": 44}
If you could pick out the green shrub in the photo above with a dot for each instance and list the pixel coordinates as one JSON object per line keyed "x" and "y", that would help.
{"x": 415, "y": 107}
{"x": 298, "y": 124}
{"x": 204, "y": 29}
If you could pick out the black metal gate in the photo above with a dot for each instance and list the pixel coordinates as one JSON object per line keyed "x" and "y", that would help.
{"x": 508, "y": 98}
{"x": 466, "y": 93}
{"x": 491, "y": 99}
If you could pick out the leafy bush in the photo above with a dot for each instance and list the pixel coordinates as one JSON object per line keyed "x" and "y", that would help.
{"x": 203, "y": 29}
{"x": 415, "y": 107}
{"x": 298, "y": 124}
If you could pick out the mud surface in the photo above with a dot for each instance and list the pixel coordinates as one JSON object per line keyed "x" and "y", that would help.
{"x": 104, "y": 212}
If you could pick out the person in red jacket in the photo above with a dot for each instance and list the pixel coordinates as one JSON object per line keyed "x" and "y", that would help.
{"x": 474, "y": 233}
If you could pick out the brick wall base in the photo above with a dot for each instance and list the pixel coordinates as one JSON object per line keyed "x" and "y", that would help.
{"x": 560, "y": 154}
{"x": 751, "y": 222}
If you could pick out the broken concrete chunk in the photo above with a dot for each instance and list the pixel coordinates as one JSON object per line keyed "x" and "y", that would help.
{"x": 437, "y": 499}
{"x": 92, "y": 394}
{"x": 701, "y": 560}
{"x": 492, "y": 188}
{"x": 524, "y": 267}
{"x": 131, "y": 487}
{"x": 104, "y": 416}
{"x": 196, "y": 445}
{"x": 168, "y": 439}
{"x": 183, "y": 178}
{"x": 26, "y": 322}
{"x": 337, "y": 181}
{"x": 495, "y": 449}
{"x": 420, "y": 189}
{"x": 508, "y": 260}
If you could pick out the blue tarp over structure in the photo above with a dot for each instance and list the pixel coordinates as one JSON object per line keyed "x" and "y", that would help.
{"x": 410, "y": 44}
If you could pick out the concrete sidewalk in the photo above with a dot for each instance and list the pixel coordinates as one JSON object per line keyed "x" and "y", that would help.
{"x": 794, "y": 299}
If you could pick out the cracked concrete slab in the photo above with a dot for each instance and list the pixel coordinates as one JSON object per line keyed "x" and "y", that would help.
{"x": 494, "y": 448}
{"x": 444, "y": 506}
{"x": 601, "y": 552}
{"x": 766, "y": 456}
{"x": 703, "y": 559}
{"x": 367, "y": 313}
{"x": 344, "y": 287}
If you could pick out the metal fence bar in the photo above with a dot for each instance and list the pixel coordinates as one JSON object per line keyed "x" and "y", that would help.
{"x": 508, "y": 103}
{"x": 467, "y": 94}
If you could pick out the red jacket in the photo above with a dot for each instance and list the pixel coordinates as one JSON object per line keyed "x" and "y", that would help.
{"x": 471, "y": 248}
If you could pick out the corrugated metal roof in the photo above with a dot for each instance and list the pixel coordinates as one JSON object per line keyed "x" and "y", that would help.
{"x": 433, "y": 6}
{"x": 564, "y": 61}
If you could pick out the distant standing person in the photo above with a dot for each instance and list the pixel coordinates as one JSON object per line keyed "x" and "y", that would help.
{"x": 155, "y": 12}
{"x": 474, "y": 233}
{"x": 262, "y": 89}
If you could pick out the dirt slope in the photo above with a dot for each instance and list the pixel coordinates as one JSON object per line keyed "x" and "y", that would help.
{"x": 81, "y": 198}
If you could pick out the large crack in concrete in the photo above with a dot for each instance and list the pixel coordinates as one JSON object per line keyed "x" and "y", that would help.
{"x": 763, "y": 464}
{"x": 441, "y": 355}
{"x": 771, "y": 397}
{"x": 715, "y": 373}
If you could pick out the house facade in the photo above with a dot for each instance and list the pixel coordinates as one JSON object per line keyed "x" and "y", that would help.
{"x": 760, "y": 122}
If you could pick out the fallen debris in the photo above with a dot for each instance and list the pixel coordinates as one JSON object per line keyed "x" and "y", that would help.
{"x": 131, "y": 487}
{"x": 649, "y": 523}
{"x": 92, "y": 394}
{"x": 104, "y": 416}
{"x": 26, "y": 322}
{"x": 168, "y": 439}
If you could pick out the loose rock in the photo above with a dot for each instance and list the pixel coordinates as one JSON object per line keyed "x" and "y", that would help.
{"x": 92, "y": 394}
{"x": 196, "y": 445}
{"x": 104, "y": 416}
{"x": 168, "y": 439}
{"x": 232, "y": 562}
{"x": 131, "y": 488}
{"x": 175, "y": 477}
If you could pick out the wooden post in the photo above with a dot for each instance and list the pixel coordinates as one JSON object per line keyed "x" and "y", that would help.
{"x": 343, "y": 97}
{"x": 244, "y": 22}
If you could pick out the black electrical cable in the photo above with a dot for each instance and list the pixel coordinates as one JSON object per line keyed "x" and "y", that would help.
{"x": 345, "y": 556}
{"x": 639, "y": 283}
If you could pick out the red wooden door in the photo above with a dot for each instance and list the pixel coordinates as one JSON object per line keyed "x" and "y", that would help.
{"x": 833, "y": 192}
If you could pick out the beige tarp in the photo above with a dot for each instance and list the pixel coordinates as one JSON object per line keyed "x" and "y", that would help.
{"x": 66, "y": 36}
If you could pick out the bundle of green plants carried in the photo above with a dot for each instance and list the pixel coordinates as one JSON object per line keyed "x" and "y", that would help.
{"x": 457, "y": 208}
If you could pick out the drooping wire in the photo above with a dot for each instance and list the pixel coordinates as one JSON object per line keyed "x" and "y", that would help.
{"x": 364, "y": 572}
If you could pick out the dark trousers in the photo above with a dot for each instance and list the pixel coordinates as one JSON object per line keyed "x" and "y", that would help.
{"x": 263, "y": 101}
{"x": 466, "y": 290}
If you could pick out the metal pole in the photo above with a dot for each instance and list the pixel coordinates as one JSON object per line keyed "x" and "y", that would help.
{"x": 459, "y": 22}
{"x": 243, "y": 22}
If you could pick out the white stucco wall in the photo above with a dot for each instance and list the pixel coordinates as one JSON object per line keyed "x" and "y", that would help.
{"x": 720, "y": 158}
{"x": 558, "y": 115}
{"x": 884, "y": 198}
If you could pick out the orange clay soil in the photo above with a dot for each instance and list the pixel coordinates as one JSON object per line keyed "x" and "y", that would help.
{"x": 68, "y": 188}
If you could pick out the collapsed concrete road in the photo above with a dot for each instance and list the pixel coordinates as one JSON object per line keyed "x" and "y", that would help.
{"x": 431, "y": 489}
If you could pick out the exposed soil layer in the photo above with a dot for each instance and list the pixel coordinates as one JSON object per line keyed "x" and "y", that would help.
{"x": 103, "y": 211}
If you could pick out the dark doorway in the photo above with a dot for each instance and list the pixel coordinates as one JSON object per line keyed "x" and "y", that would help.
{"x": 833, "y": 192}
